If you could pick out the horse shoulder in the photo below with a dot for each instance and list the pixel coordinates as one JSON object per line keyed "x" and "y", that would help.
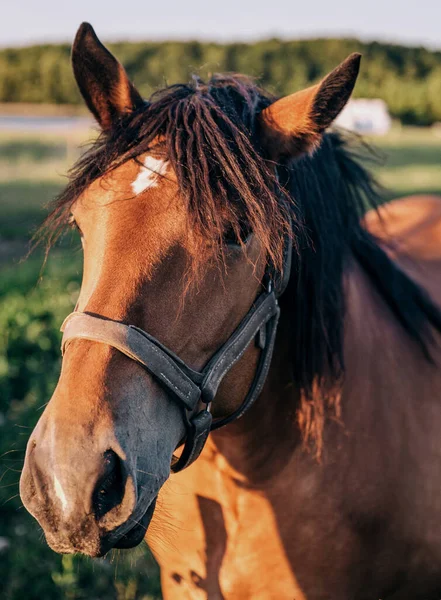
{"x": 216, "y": 518}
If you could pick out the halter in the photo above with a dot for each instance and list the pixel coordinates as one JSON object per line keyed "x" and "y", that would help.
{"x": 187, "y": 387}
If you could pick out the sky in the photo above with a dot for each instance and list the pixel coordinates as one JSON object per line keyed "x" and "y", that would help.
{"x": 412, "y": 22}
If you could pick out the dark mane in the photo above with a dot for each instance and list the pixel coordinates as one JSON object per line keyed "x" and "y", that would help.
{"x": 333, "y": 190}
{"x": 210, "y": 134}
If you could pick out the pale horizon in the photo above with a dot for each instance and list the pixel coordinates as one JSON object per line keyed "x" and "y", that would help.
{"x": 247, "y": 21}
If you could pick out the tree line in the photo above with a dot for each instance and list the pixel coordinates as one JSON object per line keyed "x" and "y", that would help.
{"x": 407, "y": 78}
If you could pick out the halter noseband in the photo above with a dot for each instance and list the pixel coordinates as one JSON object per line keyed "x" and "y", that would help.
{"x": 189, "y": 387}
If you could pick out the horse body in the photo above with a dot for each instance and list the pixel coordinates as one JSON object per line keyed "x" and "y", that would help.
{"x": 359, "y": 522}
{"x": 327, "y": 488}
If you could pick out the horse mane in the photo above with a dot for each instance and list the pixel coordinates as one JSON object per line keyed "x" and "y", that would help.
{"x": 209, "y": 132}
{"x": 333, "y": 190}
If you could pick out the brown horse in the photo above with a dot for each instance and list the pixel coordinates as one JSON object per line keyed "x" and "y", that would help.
{"x": 328, "y": 486}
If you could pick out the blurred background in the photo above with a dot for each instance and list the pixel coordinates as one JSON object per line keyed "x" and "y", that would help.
{"x": 43, "y": 130}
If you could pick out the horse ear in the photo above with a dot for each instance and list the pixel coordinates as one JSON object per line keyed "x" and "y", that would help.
{"x": 102, "y": 80}
{"x": 294, "y": 124}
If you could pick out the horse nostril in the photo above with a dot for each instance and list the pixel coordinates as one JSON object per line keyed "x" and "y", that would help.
{"x": 109, "y": 491}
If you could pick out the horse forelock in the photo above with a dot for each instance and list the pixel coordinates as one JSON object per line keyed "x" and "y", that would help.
{"x": 208, "y": 134}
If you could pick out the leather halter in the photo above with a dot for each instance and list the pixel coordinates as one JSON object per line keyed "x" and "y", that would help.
{"x": 186, "y": 386}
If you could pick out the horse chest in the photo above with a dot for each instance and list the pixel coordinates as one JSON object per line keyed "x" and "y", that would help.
{"x": 224, "y": 542}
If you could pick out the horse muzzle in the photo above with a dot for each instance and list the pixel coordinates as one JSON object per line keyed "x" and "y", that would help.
{"x": 89, "y": 506}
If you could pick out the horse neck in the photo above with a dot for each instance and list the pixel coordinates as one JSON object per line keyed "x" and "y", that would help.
{"x": 259, "y": 444}
{"x": 265, "y": 439}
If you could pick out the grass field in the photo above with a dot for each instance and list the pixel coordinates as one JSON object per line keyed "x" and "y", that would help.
{"x": 411, "y": 160}
{"x": 33, "y": 304}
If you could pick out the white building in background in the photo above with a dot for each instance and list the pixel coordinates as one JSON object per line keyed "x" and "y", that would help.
{"x": 365, "y": 116}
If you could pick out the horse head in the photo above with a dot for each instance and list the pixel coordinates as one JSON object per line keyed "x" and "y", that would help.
{"x": 181, "y": 218}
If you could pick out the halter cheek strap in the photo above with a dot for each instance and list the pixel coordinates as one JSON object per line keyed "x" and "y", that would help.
{"x": 187, "y": 386}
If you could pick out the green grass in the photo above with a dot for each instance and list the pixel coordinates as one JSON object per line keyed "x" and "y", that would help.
{"x": 40, "y": 156}
{"x": 410, "y": 161}
{"x": 30, "y": 274}
{"x": 22, "y": 206}
{"x": 33, "y": 150}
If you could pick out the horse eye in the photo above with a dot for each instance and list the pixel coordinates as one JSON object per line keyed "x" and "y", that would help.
{"x": 72, "y": 222}
{"x": 231, "y": 238}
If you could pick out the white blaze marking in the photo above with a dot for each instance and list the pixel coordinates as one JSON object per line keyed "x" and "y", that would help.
{"x": 60, "y": 492}
{"x": 149, "y": 174}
